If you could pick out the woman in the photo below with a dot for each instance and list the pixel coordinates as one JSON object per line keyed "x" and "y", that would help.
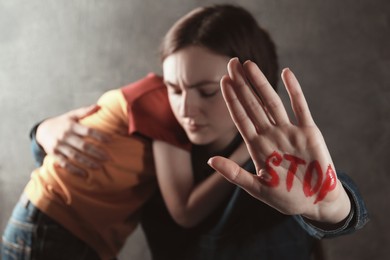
{"x": 194, "y": 55}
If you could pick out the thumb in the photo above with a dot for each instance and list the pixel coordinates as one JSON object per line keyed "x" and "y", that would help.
{"x": 233, "y": 172}
{"x": 82, "y": 112}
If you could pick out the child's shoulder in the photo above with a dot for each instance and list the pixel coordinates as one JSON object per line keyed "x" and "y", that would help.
{"x": 151, "y": 85}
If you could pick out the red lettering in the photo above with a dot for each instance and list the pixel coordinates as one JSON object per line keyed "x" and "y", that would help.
{"x": 329, "y": 184}
{"x": 294, "y": 161}
{"x": 312, "y": 181}
{"x": 276, "y": 159}
{"x": 307, "y": 181}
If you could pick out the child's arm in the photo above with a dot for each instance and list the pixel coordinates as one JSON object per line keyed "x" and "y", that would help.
{"x": 188, "y": 203}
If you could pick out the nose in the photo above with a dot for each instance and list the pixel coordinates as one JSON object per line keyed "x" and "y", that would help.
{"x": 188, "y": 106}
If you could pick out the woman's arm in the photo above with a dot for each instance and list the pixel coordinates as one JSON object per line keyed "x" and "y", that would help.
{"x": 188, "y": 203}
{"x": 63, "y": 136}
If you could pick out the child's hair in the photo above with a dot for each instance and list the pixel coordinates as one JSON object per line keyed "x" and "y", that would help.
{"x": 227, "y": 30}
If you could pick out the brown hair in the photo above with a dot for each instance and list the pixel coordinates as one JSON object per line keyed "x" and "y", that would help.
{"x": 227, "y": 30}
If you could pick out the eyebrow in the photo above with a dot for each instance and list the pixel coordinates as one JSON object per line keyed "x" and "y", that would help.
{"x": 198, "y": 84}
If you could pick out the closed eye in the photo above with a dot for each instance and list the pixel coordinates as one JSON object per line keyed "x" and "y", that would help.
{"x": 209, "y": 90}
{"x": 173, "y": 89}
{"x": 208, "y": 93}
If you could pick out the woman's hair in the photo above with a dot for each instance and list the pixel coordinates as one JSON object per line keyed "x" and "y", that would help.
{"x": 227, "y": 30}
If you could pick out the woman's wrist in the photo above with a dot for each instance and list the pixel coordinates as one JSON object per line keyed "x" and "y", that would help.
{"x": 333, "y": 215}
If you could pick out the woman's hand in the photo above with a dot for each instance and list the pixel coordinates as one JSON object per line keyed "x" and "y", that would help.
{"x": 295, "y": 172}
{"x": 63, "y": 136}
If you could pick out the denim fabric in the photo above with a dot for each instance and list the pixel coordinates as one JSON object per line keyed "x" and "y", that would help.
{"x": 37, "y": 150}
{"x": 243, "y": 228}
{"x": 17, "y": 237}
{"x": 30, "y": 234}
{"x": 357, "y": 218}
{"x": 246, "y": 229}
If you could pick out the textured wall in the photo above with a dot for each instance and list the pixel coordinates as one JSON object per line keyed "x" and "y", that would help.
{"x": 58, "y": 55}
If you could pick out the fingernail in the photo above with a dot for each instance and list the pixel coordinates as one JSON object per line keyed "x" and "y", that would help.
{"x": 209, "y": 161}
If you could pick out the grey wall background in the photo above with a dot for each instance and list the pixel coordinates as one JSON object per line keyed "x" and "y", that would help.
{"x": 59, "y": 55}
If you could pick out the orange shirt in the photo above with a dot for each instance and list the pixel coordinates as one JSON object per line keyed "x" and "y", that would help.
{"x": 103, "y": 208}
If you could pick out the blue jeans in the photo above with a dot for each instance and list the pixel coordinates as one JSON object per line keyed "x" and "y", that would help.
{"x": 31, "y": 234}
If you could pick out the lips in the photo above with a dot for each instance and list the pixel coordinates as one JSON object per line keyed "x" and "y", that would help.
{"x": 193, "y": 126}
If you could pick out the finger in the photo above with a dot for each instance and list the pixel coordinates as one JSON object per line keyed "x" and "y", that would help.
{"x": 298, "y": 101}
{"x": 236, "y": 110}
{"x": 70, "y": 154}
{"x": 64, "y": 163}
{"x": 270, "y": 98}
{"x": 82, "y": 112}
{"x": 235, "y": 174}
{"x": 82, "y": 130}
{"x": 246, "y": 96}
{"x": 86, "y": 161}
{"x": 89, "y": 149}
{"x": 85, "y": 131}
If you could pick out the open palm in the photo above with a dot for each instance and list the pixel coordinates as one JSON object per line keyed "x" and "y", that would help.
{"x": 295, "y": 172}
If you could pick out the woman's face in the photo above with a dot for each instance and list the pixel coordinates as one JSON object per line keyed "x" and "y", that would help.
{"x": 192, "y": 77}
